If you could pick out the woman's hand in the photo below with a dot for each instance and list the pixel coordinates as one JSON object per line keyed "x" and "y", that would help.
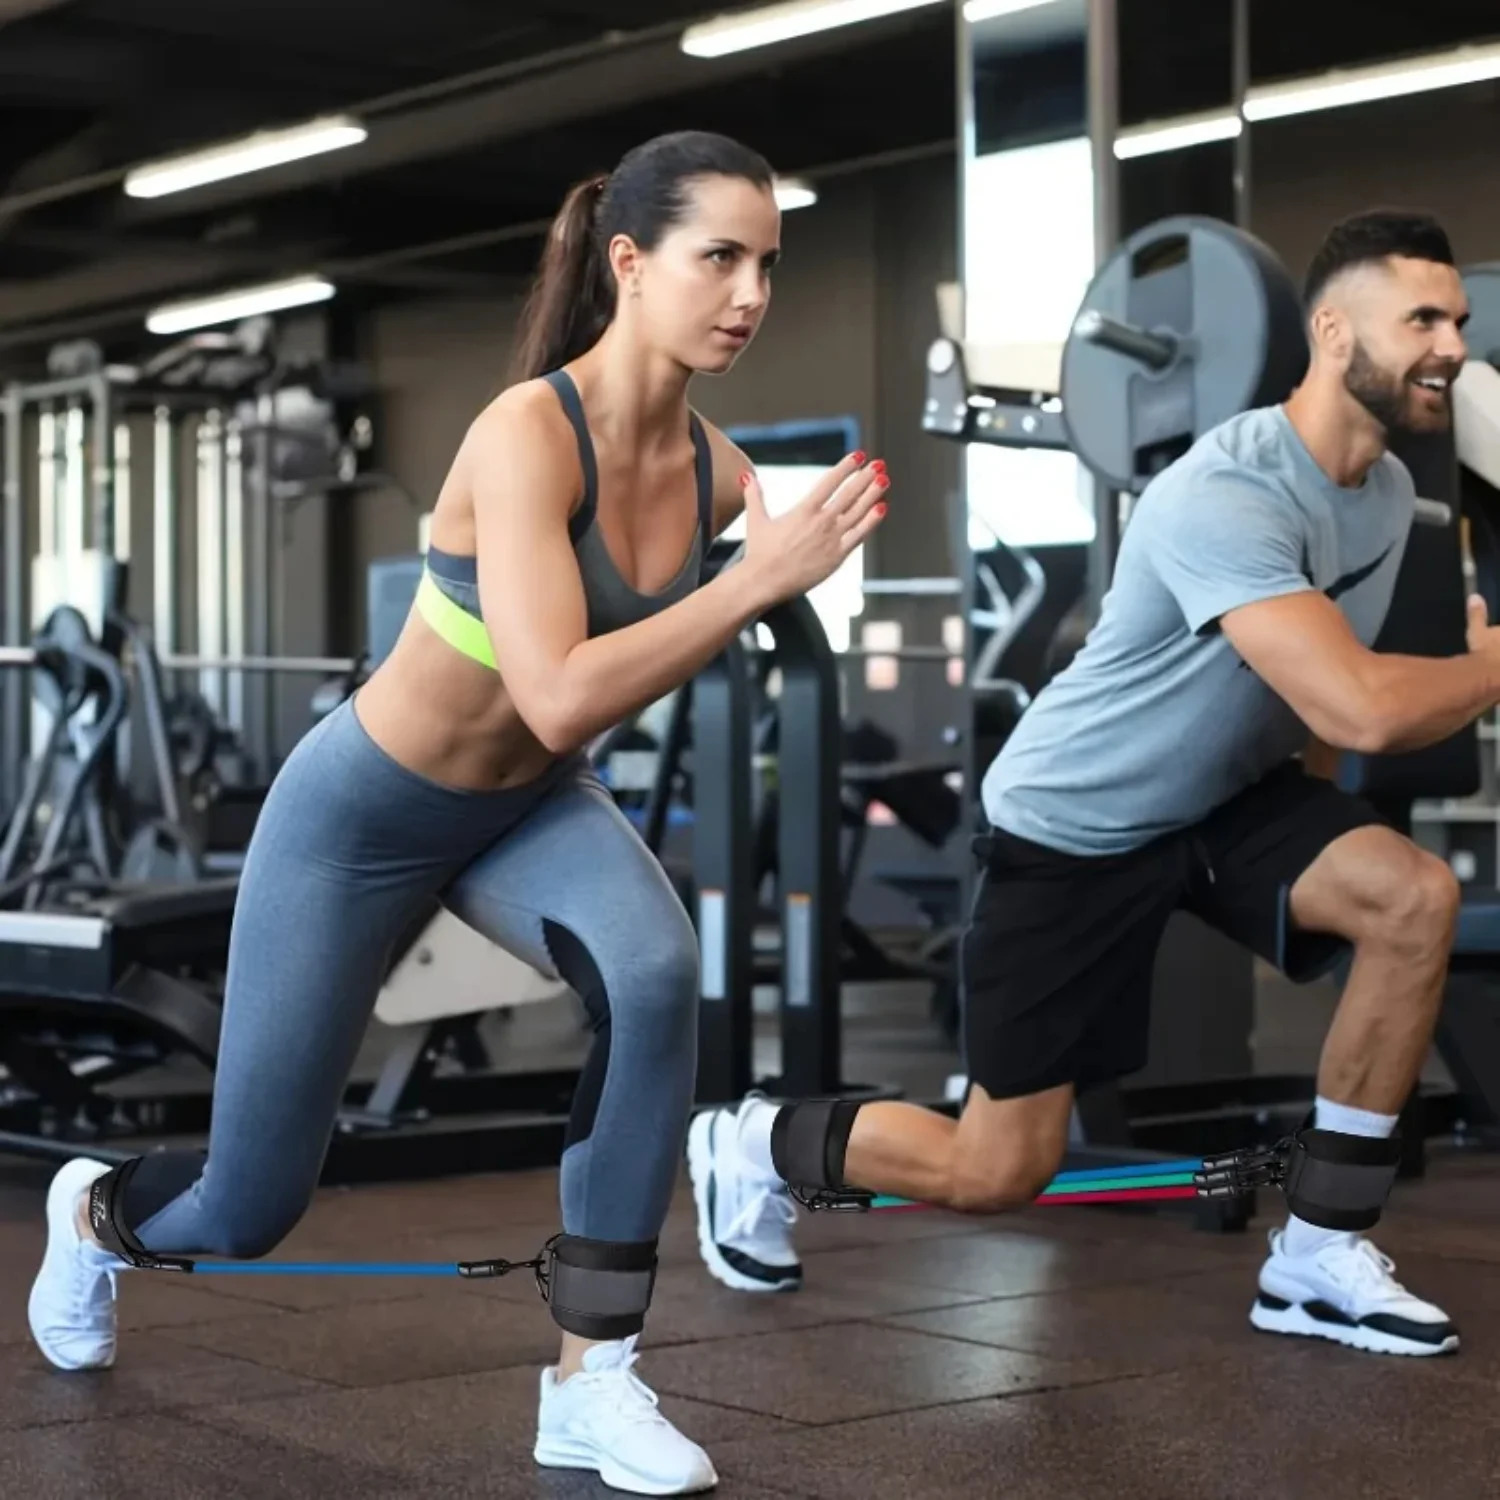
{"x": 792, "y": 553}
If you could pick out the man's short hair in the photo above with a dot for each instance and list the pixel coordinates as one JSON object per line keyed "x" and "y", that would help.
{"x": 1375, "y": 236}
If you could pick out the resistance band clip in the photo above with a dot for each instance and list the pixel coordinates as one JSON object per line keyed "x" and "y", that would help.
{"x": 483, "y": 1270}
{"x": 1236, "y": 1174}
{"x": 832, "y": 1200}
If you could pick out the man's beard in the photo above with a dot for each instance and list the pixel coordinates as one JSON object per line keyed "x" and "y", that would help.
{"x": 1383, "y": 396}
{"x": 1388, "y": 398}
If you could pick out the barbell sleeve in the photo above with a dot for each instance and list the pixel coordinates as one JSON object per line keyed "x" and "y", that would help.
{"x": 1152, "y": 349}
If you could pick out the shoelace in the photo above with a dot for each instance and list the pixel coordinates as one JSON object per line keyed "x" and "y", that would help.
{"x": 1369, "y": 1269}
{"x": 766, "y": 1202}
{"x": 632, "y": 1401}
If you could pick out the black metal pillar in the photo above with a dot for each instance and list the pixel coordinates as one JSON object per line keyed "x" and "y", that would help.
{"x": 723, "y": 872}
{"x": 809, "y": 741}
{"x": 1104, "y": 125}
{"x": 1240, "y": 56}
{"x": 13, "y": 543}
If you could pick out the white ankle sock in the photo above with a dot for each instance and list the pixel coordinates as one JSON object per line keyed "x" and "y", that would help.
{"x": 756, "y": 1117}
{"x": 1302, "y": 1238}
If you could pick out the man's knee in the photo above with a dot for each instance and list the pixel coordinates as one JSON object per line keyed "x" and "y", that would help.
{"x": 997, "y": 1185}
{"x": 1417, "y": 906}
{"x": 1382, "y": 892}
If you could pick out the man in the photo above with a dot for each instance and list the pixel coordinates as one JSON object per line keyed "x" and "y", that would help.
{"x": 1161, "y": 771}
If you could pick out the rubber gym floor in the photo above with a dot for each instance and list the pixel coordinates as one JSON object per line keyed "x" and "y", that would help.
{"x": 1061, "y": 1354}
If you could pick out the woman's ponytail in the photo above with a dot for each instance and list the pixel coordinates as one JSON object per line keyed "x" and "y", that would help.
{"x": 572, "y": 300}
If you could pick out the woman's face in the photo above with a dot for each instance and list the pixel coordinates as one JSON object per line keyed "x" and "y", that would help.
{"x": 702, "y": 292}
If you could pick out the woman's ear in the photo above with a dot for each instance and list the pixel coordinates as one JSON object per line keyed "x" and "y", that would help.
{"x": 625, "y": 260}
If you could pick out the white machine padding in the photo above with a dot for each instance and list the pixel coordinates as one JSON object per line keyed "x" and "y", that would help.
{"x": 1007, "y": 367}
{"x": 451, "y": 970}
{"x": 1015, "y": 367}
{"x": 1476, "y": 420}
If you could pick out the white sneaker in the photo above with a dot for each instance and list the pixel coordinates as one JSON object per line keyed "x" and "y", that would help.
{"x": 1347, "y": 1292}
{"x": 72, "y": 1305}
{"x": 606, "y": 1419}
{"x": 744, "y": 1219}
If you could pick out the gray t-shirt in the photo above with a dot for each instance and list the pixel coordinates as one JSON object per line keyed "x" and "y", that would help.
{"x": 1157, "y": 720}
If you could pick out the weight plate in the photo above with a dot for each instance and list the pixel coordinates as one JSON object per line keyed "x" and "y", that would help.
{"x": 1235, "y": 315}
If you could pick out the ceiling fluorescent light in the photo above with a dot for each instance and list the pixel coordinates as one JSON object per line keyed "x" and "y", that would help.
{"x": 255, "y": 153}
{"x": 1176, "y": 135}
{"x": 784, "y": 23}
{"x": 1365, "y": 85}
{"x": 987, "y": 10}
{"x": 794, "y": 192}
{"x": 247, "y": 302}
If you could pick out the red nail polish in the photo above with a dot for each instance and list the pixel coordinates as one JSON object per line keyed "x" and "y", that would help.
{"x": 880, "y": 509}
{"x": 859, "y": 457}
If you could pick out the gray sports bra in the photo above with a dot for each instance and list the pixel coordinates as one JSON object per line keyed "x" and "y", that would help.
{"x": 612, "y": 603}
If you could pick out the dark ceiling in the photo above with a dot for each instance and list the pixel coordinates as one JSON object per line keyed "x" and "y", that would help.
{"x": 477, "y": 126}
{"x": 478, "y": 122}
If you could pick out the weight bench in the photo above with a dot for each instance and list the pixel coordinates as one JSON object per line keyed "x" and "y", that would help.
{"x": 108, "y": 988}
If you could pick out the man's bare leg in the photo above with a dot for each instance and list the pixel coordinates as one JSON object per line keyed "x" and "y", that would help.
{"x": 1397, "y": 905}
{"x": 998, "y": 1155}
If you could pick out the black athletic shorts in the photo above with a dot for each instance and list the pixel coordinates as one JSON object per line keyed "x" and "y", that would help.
{"x": 1060, "y": 949}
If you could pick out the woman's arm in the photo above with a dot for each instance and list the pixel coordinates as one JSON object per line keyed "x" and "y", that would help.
{"x": 729, "y": 463}
{"x": 523, "y": 467}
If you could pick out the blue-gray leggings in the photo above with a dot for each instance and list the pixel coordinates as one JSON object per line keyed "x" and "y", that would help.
{"x": 348, "y": 848}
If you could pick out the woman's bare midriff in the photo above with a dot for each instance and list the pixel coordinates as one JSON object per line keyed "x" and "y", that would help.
{"x": 447, "y": 718}
{"x": 432, "y": 709}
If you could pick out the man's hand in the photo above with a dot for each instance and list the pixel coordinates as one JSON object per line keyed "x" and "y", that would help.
{"x": 1482, "y": 635}
{"x": 1321, "y": 759}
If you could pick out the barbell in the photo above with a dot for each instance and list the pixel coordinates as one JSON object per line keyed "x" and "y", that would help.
{"x": 1190, "y": 322}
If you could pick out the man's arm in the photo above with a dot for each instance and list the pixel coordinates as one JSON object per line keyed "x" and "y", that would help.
{"x": 1231, "y": 555}
{"x": 1353, "y": 698}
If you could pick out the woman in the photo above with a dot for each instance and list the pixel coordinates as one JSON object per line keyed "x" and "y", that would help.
{"x": 567, "y": 546}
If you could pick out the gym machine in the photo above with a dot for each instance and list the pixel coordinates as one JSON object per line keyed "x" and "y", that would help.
{"x": 97, "y": 984}
{"x": 1447, "y": 796}
{"x": 201, "y": 456}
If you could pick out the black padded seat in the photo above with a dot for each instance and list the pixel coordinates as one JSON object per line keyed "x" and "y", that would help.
{"x": 157, "y": 905}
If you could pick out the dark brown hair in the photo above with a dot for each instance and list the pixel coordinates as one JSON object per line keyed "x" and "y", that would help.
{"x": 1377, "y": 235}
{"x": 573, "y": 300}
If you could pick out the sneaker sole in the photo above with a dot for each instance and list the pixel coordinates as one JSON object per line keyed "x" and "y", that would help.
{"x": 69, "y": 1182}
{"x": 555, "y": 1453}
{"x": 1295, "y": 1320}
{"x": 700, "y": 1171}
